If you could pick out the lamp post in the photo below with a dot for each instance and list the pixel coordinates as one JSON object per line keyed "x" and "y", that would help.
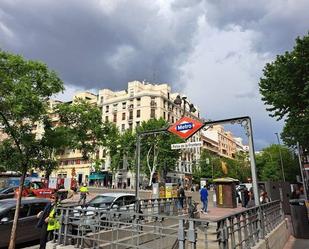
{"x": 179, "y": 100}
{"x": 281, "y": 161}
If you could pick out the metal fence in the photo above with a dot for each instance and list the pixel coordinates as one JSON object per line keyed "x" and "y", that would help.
{"x": 160, "y": 224}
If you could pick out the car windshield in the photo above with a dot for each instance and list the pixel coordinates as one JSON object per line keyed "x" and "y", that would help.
{"x": 102, "y": 199}
{"x": 2, "y": 190}
{"x": 36, "y": 185}
{"x": 3, "y": 206}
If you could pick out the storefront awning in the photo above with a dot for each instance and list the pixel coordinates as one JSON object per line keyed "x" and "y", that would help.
{"x": 96, "y": 176}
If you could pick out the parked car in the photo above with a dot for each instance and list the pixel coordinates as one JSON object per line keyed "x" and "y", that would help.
{"x": 88, "y": 214}
{"x": 8, "y": 192}
{"x": 37, "y": 189}
{"x": 26, "y": 229}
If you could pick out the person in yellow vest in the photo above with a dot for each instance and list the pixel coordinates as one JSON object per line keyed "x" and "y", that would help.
{"x": 83, "y": 194}
{"x": 48, "y": 222}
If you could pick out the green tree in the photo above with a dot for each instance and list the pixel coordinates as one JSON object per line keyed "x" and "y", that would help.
{"x": 285, "y": 90}
{"x": 239, "y": 167}
{"x": 25, "y": 87}
{"x": 269, "y": 164}
{"x": 122, "y": 150}
{"x": 156, "y": 153}
{"x": 210, "y": 163}
{"x": 205, "y": 167}
{"x": 87, "y": 132}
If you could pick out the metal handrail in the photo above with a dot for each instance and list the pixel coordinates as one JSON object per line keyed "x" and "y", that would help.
{"x": 160, "y": 223}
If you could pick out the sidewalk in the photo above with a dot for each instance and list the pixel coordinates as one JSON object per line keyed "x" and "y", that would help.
{"x": 294, "y": 243}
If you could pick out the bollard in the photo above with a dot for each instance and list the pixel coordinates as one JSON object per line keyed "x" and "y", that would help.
{"x": 192, "y": 234}
{"x": 181, "y": 234}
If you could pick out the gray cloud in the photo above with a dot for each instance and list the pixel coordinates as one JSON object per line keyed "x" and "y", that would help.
{"x": 212, "y": 50}
{"x": 277, "y": 23}
{"x": 95, "y": 44}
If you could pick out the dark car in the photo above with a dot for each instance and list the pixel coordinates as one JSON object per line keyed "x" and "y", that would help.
{"x": 8, "y": 192}
{"x": 26, "y": 229}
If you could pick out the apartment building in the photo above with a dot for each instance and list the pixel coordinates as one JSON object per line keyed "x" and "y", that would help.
{"x": 140, "y": 102}
{"x": 223, "y": 143}
{"x": 72, "y": 160}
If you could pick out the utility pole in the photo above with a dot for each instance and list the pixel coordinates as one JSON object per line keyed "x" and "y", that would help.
{"x": 281, "y": 161}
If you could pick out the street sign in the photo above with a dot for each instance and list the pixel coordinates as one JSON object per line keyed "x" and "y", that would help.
{"x": 185, "y": 127}
{"x": 186, "y": 145}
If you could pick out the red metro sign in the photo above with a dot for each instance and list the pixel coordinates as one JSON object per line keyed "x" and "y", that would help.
{"x": 185, "y": 127}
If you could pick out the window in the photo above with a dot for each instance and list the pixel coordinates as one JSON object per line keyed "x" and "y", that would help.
{"x": 123, "y": 116}
{"x": 119, "y": 202}
{"x": 173, "y": 120}
{"x": 152, "y": 113}
{"x": 164, "y": 115}
{"x": 131, "y": 92}
{"x": 131, "y": 115}
{"x": 107, "y": 108}
{"x": 138, "y": 101}
{"x": 106, "y": 118}
{"x": 138, "y": 113}
{"x": 124, "y": 104}
{"x": 168, "y": 95}
{"x": 130, "y": 126}
{"x": 138, "y": 123}
{"x": 23, "y": 212}
{"x": 35, "y": 208}
{"x": 129, "y": 199}
{"x": 115, "y": 118}
{"x": 101, "y": 100}
{"x": 123, "y": 127}
{"x": 104, "y": 153}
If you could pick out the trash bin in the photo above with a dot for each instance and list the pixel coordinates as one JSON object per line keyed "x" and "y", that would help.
{"x": 299, "y": 218}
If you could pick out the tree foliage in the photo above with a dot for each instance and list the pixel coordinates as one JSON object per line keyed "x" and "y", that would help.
{"x": 83, "y": 121}
{"x": 269, "y": 164}
{"x": 285, "y": 90}
{"x": 25, "y": 87}
{"x": 156, "y": 153}
{"x": 210, "y": 166}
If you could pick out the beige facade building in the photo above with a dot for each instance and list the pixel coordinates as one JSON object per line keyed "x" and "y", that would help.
{"x": 140, "y": 102}
{"x": 221, "y": 142}
{"x": 72, "y": 160}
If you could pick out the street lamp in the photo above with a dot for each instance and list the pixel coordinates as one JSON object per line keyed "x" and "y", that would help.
{"x": 281, "y": 161}
{"x": 183, "y": 99}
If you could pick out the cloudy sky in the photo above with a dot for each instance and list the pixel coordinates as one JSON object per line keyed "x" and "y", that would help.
{"x": 213, "y": 50}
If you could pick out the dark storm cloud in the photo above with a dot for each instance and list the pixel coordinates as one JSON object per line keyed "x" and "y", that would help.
{"x": 276, "y": 22}
{"x": 95, "y": 44}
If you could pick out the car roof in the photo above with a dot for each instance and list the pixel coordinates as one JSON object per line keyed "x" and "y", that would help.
{"x": 26, "y": 200}
{"x": 116, "y": 195}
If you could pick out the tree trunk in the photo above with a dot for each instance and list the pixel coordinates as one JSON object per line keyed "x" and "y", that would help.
{"x": 16, "y": 215}
{"x": 150, "y": 178}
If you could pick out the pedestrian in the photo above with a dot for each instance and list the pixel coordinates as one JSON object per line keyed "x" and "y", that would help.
{"x": 47, "y": 221}
{"x": 83, "y": 194}
{"x": 246, "y": 197}
{"x": 181, "y": 196}
{"x": 264, "y": 197}
{"x": 204, "y": 199}
{"x": 251, "y": 202}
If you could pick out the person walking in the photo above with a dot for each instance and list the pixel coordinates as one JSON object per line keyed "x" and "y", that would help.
{"x": 181, "y": 196}
{"x": 204, "y": 199}
{"x": 83, "y": 194}
{"x": 47, "y": 221}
